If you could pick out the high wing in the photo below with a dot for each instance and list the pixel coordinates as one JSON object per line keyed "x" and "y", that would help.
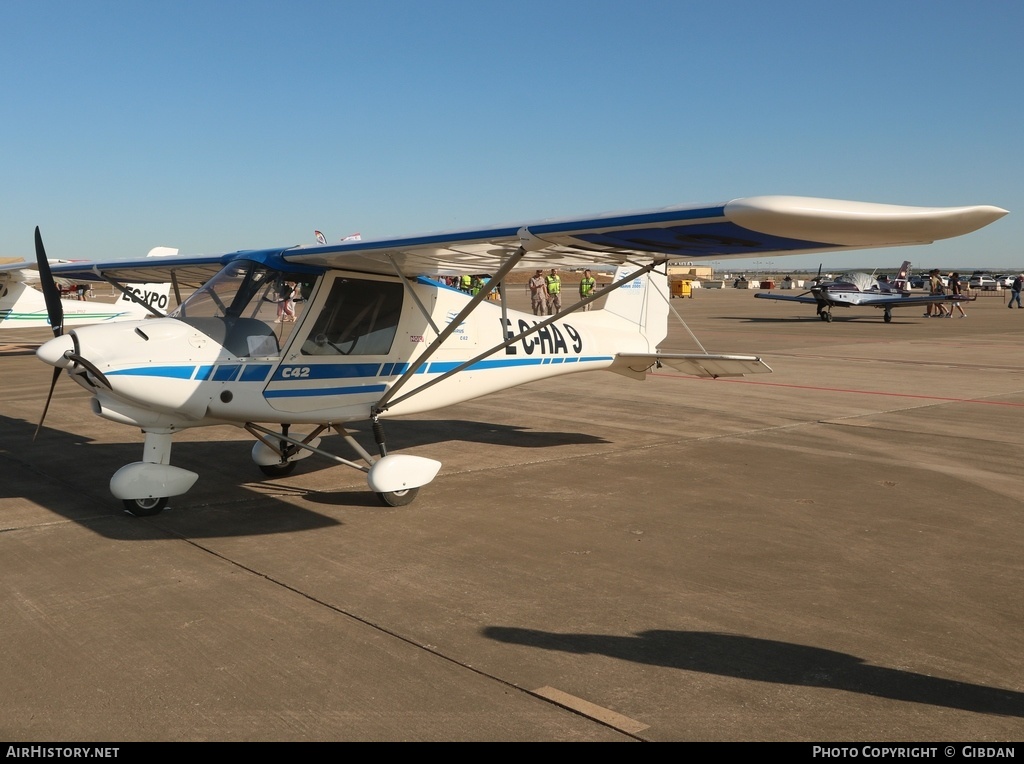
{"x": 741, "y": 228}
{"x": 21, "y": 271}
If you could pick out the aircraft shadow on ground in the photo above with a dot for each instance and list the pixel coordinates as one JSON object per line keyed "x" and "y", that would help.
{"x": 765, "y": 660}
{"x": 838, "y": 319}
{"x": 422, "y": 432}
{"x": 74, "y": 484}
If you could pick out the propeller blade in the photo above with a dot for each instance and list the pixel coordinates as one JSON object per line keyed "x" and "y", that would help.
{"x": 53, "y": 384}
{"x": 51, "y": 293}
{"x": 89, "y": 367}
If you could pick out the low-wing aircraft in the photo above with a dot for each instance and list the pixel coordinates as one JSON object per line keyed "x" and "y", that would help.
{"x": 23, "y": 305}
{"x": 861, "y": 290}
{"x": 374, "y": 334}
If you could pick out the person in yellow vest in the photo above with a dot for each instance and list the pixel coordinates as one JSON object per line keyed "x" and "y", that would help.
{"x": 587, "y": 284}
{"x": 554, "y": 282}
{"x": 466, "y": 283}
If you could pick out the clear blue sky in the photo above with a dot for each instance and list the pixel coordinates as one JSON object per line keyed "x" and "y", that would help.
{"x": 213, "y": 125}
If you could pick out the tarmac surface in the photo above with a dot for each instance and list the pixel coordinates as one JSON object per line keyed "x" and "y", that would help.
{"x": 831, "y": 552}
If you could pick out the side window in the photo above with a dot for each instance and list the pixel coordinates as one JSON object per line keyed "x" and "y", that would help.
{"x": 359, "y": 318}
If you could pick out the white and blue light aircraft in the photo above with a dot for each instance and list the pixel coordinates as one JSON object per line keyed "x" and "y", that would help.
{"x": 372, "y": 336}
{"x": 23, "y": 305}
{"x": 861, "y": 290}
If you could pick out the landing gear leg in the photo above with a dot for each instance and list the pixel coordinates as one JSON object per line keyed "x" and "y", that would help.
{"x": 285, "y": 466}
{"x": 888, "y": 316}
{"x": 390, "y": 498}
{"x": 145, "y": 486}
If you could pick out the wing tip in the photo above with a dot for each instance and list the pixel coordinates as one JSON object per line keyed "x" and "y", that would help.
{"x": 857, "y": 224}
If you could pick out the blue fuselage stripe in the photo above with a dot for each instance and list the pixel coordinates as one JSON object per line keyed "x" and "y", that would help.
{"x": 326, "y": 373}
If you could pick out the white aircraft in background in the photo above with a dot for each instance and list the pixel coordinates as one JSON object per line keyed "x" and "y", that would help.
{"x": 23, "y": 306}
{"x": 861, "y": 290}
{"x": 372, "y": 337}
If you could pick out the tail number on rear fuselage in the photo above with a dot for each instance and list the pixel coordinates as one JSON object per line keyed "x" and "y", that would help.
{"x": 144, "y": 295}
{"x": 546, "y": 341}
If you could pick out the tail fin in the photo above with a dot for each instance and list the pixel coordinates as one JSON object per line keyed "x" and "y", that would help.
{"x": 901, "y": 281}
{"x": 156, "y": 294}
{"x": 643, "y": 301}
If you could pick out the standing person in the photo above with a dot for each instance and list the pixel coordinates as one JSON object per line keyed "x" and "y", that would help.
{"x": 554, "y": 284}
{"x": 935, "y": 310}
{"x": 285, "y": 293}
{"x": 587, "y": 284}
{"x": 289, "y": 306}
{"x": 537, "y": 288}
{"x": 1015, "y": 287}
{"x": 954, "y": 291}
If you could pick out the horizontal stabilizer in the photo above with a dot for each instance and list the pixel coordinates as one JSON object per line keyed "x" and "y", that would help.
{"x": 636, "y": 365}
{"x": 787, "y": 297}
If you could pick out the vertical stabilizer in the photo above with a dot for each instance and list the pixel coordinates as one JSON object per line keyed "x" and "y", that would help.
{"x": 643, "y": 301}
{"x": 901, "y": 282}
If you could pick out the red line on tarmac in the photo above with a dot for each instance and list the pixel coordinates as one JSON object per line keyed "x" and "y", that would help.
{"x": 844, "y": 390}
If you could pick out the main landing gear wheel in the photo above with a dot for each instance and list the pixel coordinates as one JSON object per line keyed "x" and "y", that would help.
{"x": 825, "y": 315}
{"x": 888, "y": 317}
{"x": 145, "y": 507}
{"x": 277, "y": 470}
{"x": 398, "y": 498}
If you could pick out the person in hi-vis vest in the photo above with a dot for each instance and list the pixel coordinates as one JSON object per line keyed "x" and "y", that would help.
{"x": 554, "y": 283}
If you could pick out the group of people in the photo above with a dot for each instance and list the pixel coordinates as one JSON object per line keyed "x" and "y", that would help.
{"x": 546, "y": 291}
{"x": 471, "y": 284}
{"x": 937, "y": 287}
{"x": 77, "y": 291}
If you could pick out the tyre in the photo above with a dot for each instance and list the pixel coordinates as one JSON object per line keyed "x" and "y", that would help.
{"x": 277, "y": 470}
{"x": 398, "y": 498}
{"x": 145, "y": 507}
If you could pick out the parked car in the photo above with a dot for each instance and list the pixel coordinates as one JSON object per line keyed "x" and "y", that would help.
{"x": 917, "y": 282}
{"x": 978, "y": 281}
{"x": 1003, "y": 281}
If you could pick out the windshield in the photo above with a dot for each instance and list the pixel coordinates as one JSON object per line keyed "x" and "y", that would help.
{"x": 240, "y": 306}
{"x": 241, "y": 289}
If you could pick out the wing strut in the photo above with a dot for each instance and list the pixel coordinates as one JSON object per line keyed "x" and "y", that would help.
{"x": 687, "y": 327}
{"x": 383, "y": 403}
{"x": 448, "y": 330}
{"x": 129, "y": 294}
{"x": 412, "y": 292}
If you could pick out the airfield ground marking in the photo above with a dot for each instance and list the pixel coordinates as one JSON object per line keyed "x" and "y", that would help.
{"x": 598, "y": 713}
